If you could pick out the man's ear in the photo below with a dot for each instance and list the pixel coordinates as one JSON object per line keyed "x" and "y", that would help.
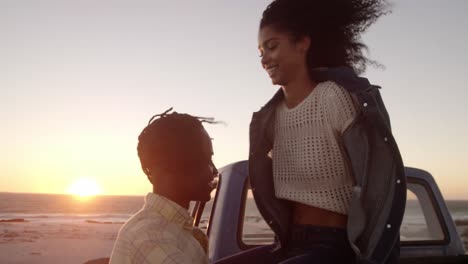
{"x": 155, "y": 174}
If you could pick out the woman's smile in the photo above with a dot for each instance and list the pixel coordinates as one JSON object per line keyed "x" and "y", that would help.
{"x": 271, "y": 69}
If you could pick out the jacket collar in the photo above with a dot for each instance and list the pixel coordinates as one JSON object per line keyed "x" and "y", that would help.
{"x": 278, "y": 97}
{"x": 345, "y": 77}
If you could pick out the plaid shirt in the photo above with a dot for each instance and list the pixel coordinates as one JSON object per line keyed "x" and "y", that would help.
{"x": 161, "y": 232}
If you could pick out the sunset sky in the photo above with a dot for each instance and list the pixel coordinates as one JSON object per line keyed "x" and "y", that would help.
{"x": 80, "y": 79}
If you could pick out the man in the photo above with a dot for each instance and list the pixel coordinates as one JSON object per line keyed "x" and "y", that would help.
{"x": 175, "y": 152}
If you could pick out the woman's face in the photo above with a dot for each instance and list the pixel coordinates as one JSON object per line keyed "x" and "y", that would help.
{"x": 283, "y": 57}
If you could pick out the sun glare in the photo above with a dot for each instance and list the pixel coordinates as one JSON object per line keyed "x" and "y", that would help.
{"x": 84, "y": 187}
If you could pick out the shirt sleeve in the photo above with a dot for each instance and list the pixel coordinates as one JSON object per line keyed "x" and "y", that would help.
{"x": 339, "y": 107}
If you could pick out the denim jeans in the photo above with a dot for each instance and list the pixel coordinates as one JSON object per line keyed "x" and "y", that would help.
{"x": 307, "y": 244}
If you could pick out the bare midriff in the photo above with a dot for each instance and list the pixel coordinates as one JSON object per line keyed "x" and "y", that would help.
{"x": 310, "y": 215}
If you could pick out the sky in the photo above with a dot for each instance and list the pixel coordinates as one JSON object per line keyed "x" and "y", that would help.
{"x": 79, "y": 80}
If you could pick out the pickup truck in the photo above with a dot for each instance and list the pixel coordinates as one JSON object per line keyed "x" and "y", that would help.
{"x": 233, "y": 223}
{"x": 428, "y": 234}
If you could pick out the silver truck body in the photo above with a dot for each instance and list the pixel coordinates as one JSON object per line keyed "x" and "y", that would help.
{"x": 438, "y": 239}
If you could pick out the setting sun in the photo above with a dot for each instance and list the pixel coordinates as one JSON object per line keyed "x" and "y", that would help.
{"x": 84, "y": 187}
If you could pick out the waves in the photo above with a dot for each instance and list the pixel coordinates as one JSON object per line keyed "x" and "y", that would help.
{"x": 118, "y": 209}
{"x": 66, "y": 218}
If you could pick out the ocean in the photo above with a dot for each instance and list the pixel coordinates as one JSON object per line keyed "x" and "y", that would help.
{"x": 67, "y": 208}
{"x": 117, "y": 209}
{"x": 46, "y": 228}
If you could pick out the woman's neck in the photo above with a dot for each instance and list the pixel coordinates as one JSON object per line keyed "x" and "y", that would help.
{"x": 297, "y": 90}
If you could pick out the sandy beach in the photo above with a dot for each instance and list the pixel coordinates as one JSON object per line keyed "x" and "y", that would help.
{"x": 41, "y": 243}
{"x": 39, "y": 228}
{"x": 462, "y": 228}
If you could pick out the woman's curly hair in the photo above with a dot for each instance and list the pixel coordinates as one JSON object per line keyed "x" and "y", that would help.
{"x": 334, "y": 26}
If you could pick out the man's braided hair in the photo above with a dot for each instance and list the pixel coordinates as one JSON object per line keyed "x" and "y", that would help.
{"x": 334, "y": 27}
{"x": 168, "y": 142}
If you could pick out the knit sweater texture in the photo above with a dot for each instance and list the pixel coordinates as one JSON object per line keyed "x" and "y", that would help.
{"x": 309, "y": 162}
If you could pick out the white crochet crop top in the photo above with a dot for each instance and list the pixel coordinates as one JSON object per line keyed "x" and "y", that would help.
{"x": 309, "y": 165}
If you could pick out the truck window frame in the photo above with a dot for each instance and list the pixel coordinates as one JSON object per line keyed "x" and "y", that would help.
{"x": 438, "y": 213}
{"x": 213, "y": 208}
{"x": 411, "y": 243}
{"x": 240, "y": 223}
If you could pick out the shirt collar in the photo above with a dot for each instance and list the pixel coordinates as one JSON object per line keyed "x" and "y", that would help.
{"x": 170, "y": 210}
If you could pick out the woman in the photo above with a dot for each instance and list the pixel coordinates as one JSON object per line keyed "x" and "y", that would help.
{"x": 325, "y": 171}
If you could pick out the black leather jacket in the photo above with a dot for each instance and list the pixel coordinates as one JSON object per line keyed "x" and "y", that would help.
{"x": 378, "y": 201}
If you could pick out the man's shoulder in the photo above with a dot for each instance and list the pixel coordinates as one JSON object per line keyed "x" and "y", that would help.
{"x": 144, "y": 224}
